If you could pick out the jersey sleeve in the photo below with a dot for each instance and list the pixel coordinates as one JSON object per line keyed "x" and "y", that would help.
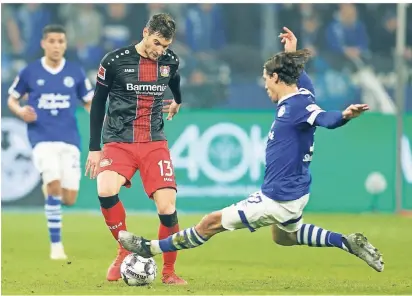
{"x": 106, "y": 72}
{"x": 20, "y": 85}
{"x": 306, "y": 112}
{"x": 84, "y": 88}
{"x": 174, "y": 85}
{"x": 309, "y": 114}
{"x": 105, "y": 77}
{"x": 304, "y": 82}
{"x": 174, "y": 82}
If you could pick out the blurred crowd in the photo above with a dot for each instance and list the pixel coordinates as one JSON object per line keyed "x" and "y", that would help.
{"x": 222, "y": 46}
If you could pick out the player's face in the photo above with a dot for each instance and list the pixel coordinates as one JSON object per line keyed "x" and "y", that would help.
{"x": 270, "y": 85}
{"x": 154, "y": 45}
{"x": 54, "y": 45}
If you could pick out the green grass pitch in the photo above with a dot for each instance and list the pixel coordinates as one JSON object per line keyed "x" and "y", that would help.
{"x": 231, "y": 263}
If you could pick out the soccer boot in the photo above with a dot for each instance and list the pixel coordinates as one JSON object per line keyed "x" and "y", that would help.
{"x": 135, "y": 244}
{"x": 359, "y": 245}
{"x": 113, "y": 273}
{"x": 173, "y": 279}
{"x": 57, "y": 252}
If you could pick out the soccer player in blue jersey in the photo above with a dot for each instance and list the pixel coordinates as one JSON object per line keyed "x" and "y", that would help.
{"x": 286, "y": 186}
{"x": 54, "y": 88}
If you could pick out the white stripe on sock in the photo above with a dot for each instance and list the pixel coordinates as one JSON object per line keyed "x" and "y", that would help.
{"x": 323, "y": 238}
{"x": 298, "y": 234}
{"x": 54, "y": 217}
{"x": 197, "y": 235}
{"x": 305, "y": 235}
{"x": 51, "y": 208}
{"x": 189, "y": 236}
{"x": 155, "y": 247}
{"x": 314, "y": 235}
{"x": 54, "y": 224}
{"x": 177, "y": 246}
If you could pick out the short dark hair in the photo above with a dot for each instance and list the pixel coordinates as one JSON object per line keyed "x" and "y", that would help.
{"x": 288, "y": 65}
{"x": 53, "y": 29}
{"x": 162, "y": 24}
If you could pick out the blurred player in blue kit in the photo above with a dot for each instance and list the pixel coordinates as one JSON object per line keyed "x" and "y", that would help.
{"x": 54, "y": 87}
{"x": 286, "y": 186}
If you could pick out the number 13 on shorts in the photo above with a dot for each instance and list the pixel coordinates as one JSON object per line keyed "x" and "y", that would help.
{"x": 165, "y": 168}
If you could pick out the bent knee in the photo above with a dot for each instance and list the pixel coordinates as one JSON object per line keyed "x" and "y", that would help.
{"x": 107, "y": 189}
{"x": 109, "y": 183}
{"x": 54, "y": 188}
{"x": 283, "y": 238}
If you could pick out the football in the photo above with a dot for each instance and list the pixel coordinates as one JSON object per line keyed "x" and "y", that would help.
{"x": 138, "y": 271}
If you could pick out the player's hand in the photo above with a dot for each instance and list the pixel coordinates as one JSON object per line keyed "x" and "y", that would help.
{"x": 28, "y": 114}
{"x": 171, "y": 109}
{"x": 289, "y": 39}
{"x": 166, "y": 106}
{"x": 354, "y": 111}
{"x": 92, "y": 164}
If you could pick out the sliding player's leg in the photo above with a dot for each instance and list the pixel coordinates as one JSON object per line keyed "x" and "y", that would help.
{"x": 188, "y": 238}
{"x": 254, "y": 212}
{"x": 297, "y": 233}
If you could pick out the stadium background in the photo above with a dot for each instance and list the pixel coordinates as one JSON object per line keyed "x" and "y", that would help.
{"x": 218, "y": 138}
{"x": 217, "y": 144}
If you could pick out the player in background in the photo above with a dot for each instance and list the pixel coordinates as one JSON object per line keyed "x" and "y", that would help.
{"x": 285, "y": 190}
{"x": 135, "y": 79}
{"x": 54, "y": 87}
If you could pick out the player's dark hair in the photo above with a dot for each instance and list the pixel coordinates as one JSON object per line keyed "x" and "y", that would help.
{"x": 162, "y": 24}
{"x": 53, "y": 29}
{"x": 288, "y": 65}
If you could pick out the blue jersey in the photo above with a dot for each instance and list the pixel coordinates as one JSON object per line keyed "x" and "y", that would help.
{"x": 290, "y": 145}
{"x": 54, "y": 94}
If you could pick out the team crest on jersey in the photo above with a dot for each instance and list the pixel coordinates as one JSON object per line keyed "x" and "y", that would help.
{"x": 101, "y": 73}
{"x": 281, "y": 111}
{"x": 164, "y": 71}
{"x": 105, "y": 162}
{"x": 40, "y": 82}
{"x": 68, "y": 81}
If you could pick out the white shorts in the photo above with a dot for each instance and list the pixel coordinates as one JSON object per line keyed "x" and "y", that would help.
{"x": 259, "y": 210}
{"x": 58, "y": 161}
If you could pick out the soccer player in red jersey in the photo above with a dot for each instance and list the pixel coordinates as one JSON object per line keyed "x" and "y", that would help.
{"x": 134, "y": 78}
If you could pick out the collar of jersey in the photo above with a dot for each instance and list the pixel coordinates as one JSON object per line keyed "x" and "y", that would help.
{"x": 53, "y": 71}
{"x": 287, "y": 97}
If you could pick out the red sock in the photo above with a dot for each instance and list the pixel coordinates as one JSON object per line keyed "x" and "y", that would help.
{"x": 169, "y": 258}
{"x": 115, "y": 218}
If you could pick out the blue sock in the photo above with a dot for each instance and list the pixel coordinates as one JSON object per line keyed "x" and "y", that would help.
{"x": 314, "y": 236}
{"x": 185, "y": 239}
{"x": 54, "y": 217}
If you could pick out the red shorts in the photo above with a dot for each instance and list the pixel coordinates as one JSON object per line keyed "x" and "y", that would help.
{"x": 152, "y": 159}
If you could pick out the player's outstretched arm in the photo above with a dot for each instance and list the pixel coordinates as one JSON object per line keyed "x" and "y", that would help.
{"x": 334, "y": 119}
{"x": 354, "y": 111}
